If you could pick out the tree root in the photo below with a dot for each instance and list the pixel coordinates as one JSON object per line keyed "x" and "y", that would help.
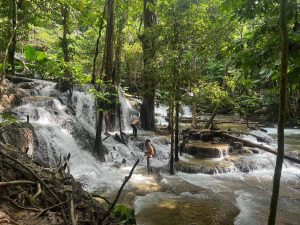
{"x": 16, "y": 182}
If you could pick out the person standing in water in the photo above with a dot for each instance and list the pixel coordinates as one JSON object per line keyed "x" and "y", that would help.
{"x": 134, "y": 123}
{"x": 150, "y": 155}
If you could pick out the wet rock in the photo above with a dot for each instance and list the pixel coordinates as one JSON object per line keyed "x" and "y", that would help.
{"x": 255, "y": 150}
{"x": 206, "y": 149}
{"x": 237, "y": 145}
{"x": 245, "y": 165}
{"x": 213, "y": 168}
{"x": 117, "y": 164}
{"x": 27, "y": 85}
{"x": 246, "y": 169}
{"x": 247, "y": 151}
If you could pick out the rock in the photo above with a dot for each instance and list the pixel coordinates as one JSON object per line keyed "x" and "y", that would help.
{"x": 22, "y": 137}
{"x": 202, "y": 166}
{"x": 247, "y": 150}
{"x": 237, "y": 145}
{"x": 206, "y": 149}
{"x": 27, "y": 85}
{"x": 10, "y": 96}
{"x": 255, "y": 150}
{"x": 246, "y": 169}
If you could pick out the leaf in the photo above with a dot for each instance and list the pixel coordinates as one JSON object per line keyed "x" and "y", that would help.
{"x": 30, "y": 53}
{"x": 40, "y": 56}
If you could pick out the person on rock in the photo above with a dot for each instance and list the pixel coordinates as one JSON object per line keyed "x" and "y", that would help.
{"x": 134, "y": 123}
{"x": 149, "y": 154}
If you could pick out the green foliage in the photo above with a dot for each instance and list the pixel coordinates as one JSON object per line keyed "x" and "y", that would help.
{"x": 125, "y": 214}
{"x": 7, "y": 119}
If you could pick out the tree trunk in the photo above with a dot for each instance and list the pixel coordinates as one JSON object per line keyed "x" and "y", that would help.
{"x": 67, "y": 83}
{"x": 108, "y": 66}
{"x": 148, "y": 44}
{"x": 176, "y": 77}
{"x": 118, "y": 53}
{"x": 172, "y": 139}
{"x": 97, "y": 45}
{"x": 176, "y": 130}
{"x": 281, "y": 117}
{"x": 98, "y": 148}
{"x": 109, "y": 42}
{"x": 12, "y": 49}
{"x": 212, "y": 117}
{"x": 12, "y": 38}
{"x": 194, "y": 115}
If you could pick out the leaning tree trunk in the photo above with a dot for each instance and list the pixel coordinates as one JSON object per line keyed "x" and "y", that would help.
{"x": 212, "y": 117}
{"x": 148, "y": 44}
{"x": 281, "y": 117}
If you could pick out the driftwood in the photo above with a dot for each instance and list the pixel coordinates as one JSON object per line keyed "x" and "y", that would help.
{"x": 260, "y": 146}
{"x": 127, "y": 178}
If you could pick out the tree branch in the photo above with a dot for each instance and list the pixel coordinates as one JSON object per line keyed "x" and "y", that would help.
{"x": 127, "y": 178}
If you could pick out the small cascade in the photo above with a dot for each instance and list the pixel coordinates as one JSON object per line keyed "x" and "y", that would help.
{"x": 126, "y": 110}
{"x": 186, "y": 112}
{"x": 161, "y": 114}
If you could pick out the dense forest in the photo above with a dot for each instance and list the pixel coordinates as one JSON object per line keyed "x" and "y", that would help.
{"x": 218, "y": 54}
{"x": 238, "y": 58}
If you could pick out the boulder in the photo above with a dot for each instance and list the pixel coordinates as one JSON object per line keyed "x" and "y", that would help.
{"x": 10, "y": 96}
{"x": 21, "y": 136}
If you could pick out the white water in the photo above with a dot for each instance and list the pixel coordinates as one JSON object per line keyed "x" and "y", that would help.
{"x": 60, "y": 132}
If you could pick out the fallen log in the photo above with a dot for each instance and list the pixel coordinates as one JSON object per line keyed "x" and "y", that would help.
{"x": 260, "y": 146}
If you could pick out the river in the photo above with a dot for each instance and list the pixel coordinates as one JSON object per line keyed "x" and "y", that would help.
{"x": 230, "y": 198}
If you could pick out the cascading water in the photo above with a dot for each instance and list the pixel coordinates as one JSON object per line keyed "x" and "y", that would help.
{"x": 126, "y": 110}
{"x": 203, "y": 199}
{"x": 63, "y": 129}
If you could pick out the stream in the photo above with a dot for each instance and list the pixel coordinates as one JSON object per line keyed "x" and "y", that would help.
{"x": 192, "y": 199}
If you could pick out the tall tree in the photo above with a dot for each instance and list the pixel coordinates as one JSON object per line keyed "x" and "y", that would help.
{"x": 11, "y": 46}
{"x": 149, "y": 50}
{"x": 104, "y": 106}
{"x": 282, "y": 113}
{"x": 97, "y": 44}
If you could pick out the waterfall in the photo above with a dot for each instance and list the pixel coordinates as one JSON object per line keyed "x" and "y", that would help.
{"x": 126, "y": 110}
{"x": 186, "y": 111}
{"x": 63, "y": 127}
